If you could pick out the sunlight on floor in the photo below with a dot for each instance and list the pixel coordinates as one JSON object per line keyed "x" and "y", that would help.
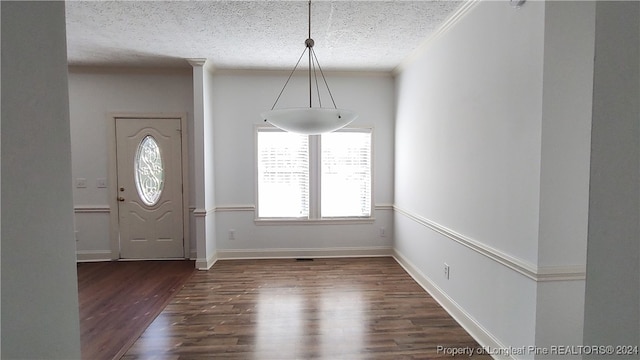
{"x": 286, "y": 326}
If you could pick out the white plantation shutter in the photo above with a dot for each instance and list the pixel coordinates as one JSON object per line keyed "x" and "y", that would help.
{"x": 283, "y": 174}
{"x": 345, "y": 174}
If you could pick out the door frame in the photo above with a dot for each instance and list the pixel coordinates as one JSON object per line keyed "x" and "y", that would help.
{"x": 114, "y": 229}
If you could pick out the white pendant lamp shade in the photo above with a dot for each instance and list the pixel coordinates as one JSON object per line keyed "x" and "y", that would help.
{"x": 309, "y": 121}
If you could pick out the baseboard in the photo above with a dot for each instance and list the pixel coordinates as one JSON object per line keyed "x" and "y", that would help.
{"x": 479, "y": 333}
{"x": 303, "y": 253}
{"x": 93, "y": 255}
{"x": 206, "y": 264}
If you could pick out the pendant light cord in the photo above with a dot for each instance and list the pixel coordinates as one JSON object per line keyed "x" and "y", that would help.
{"x": 324, "y": 79}
{"x": 313, "y": 60}
{"x": 289, "y": 78}
{"x": 309, "y": 44}
{"x": 309, "y": 37}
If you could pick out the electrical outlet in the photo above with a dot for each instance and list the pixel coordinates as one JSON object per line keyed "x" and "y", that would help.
{"x": 446, "y": 271}
{"x": 383, "y": 232}
{"x": 232, "y": 234}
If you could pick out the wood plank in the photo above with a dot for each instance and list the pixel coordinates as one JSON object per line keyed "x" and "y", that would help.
{"x": 356, "y": 308}
{"x": 118, "y": 301}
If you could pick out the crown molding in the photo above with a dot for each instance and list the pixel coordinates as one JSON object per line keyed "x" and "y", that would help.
{"x": 446, "y": 25}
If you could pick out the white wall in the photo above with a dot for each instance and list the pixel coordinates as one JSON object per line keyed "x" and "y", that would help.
{"x": 564, "y": 172}
{"x": 566, "y": 132}
{"x": 471, "y": 107}
{"x": 231, "y": 106}
{"x": 468, "y": 160}
{"x": 94, "y": 93}
{"x": 238, "y": 98}
{"x": 492, "y": 138}
{"x": 492, "y": 169}
{"x": 39, "y": 282}
{"x": 612, "y": 302}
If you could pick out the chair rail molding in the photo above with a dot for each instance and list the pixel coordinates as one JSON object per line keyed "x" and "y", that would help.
{"x": 531, "y": 271}
{"x": 91, "y": 209}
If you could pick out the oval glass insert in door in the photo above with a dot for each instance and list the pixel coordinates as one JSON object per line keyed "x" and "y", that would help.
{"x": 149, "y": 171}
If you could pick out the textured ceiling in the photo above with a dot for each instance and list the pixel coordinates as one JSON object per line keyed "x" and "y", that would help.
{"x": 363, "y": 35}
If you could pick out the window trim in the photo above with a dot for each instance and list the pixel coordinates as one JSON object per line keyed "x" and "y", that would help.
{"x": 314, "y": 183}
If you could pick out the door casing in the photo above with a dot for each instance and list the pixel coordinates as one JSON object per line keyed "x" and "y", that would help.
{"x": 114, "y": 231}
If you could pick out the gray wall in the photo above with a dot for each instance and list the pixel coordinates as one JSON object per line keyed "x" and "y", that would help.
{"x": 94, "y": 93}
{"x": 39, "y": 282}
{"x": 613, "y": 273}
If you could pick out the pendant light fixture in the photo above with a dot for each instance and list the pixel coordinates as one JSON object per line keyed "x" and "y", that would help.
{"x": 309, "y": 120}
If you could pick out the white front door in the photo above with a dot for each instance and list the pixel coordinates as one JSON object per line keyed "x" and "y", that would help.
{"x": 149, "y": 179}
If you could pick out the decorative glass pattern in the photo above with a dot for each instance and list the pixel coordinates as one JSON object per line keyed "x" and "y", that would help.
{"x": 149, "y": 171}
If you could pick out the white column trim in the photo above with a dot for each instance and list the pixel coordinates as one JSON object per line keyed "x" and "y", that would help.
{"x": 206, "y": 264}
{"x": 196, "y": 61}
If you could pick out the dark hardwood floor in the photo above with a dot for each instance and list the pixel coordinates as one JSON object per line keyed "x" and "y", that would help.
{"x": 118, "y": 300}
{"x": 356, "y": 308}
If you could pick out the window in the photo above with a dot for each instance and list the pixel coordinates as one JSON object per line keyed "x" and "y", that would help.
{"x": 283, "y": 175}
{"x": 149, "y": 171}
{"x": 345, "y": 174}
{"x": 314, "y": 177}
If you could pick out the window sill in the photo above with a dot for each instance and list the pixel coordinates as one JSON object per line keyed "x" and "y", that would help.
{"x": 328, "y": 221}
